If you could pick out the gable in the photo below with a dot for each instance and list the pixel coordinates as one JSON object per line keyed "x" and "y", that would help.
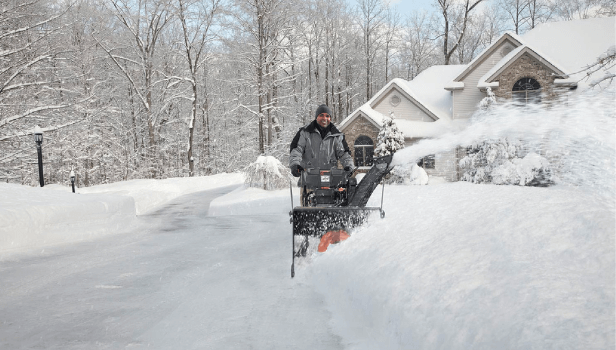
{"x": 396, "y": 100}
{"x": 359, "y": 117}
{"x": 527, "y": 60}
{"x": 490, "y": 56}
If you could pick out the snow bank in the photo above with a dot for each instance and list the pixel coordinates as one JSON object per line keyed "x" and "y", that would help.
{"x": 254, "y": 201}
{"x": 150, "y": 195}
{"x": 463, "y": 266}
{"x": 33, "y": 217}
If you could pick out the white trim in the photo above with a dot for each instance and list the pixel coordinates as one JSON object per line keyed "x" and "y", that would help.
{"x": 508, "y": 60}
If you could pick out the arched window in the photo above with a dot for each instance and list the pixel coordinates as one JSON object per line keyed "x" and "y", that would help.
{"x": 526, "y": 90}
{"x": 364, "y": 151}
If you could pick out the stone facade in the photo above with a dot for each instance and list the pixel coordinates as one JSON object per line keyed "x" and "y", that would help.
{"x": 526, "y": 67}
{"x": 359, "y": 126}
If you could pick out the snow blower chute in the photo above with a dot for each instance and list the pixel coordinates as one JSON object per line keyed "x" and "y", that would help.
{"x": 333, "y": 204}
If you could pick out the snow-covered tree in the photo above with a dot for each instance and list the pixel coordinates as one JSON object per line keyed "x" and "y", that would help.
{"x": 499, "y": 162}
{"x": 390, "y": 138}
{"x": 487, "y": 101}
{"x": 267, "y": 173}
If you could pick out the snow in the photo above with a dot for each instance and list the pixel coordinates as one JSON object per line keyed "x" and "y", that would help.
{"x": 254, "y": 201}
{"x": 268, "y": 173}
{"x": 150, "y": 195}
{"x": 573, "y": 44}
{"x": 451, "y": 266}
{"x": 35, "y": 217}
{"x": 428, "y": 86}
{"x": 463, "y": 266}
{"x": 418, "y": 175}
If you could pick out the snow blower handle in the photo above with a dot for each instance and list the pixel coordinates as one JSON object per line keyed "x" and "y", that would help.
{"x": 291, "y": 189}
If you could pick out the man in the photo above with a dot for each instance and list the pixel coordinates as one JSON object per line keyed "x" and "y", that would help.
{"x": 319, "y": 145}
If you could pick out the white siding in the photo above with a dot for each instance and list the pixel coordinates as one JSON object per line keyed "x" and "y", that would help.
{"x": 445, "y": 163}
{"x": 466, "y": 100}
{"x": 405, "y": 110}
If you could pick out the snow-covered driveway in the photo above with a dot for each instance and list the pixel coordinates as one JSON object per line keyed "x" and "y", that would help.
{"x": 184, "y": 281}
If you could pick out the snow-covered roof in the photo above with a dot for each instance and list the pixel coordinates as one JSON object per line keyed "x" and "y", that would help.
{"x": 573, "y": 44}
{"x": 428, "y": 88}
{"x": 486, "y": 80}
{"x": 455, "y": 83}
{"x": 426, "y": 91}
{"x": 566, "y": 47}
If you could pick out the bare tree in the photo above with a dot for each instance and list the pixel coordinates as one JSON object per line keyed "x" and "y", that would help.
{"x": 265, "y": 25}
{"x": 579, "y": 9}
{"x": 517, "y": 11}
{"x": 455, "y": 22}
{"x": 196, "y": 18}
{"x": 418, "y": 48}
{"x": 371, "y": 18}
{"x": 392, "y": 23}
{"x": 144, "y": 22}
{"x": 539, "y": 11}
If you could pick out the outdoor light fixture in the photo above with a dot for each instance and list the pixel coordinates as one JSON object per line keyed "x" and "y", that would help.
{"x": 73, "y": 180}
{"x": 38, "y": 138}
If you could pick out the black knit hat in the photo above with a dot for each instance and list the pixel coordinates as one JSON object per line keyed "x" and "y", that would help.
{"x": 322, "y": 109}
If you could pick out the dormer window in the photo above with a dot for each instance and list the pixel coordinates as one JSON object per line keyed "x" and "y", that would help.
{"x": 526, "y": 90}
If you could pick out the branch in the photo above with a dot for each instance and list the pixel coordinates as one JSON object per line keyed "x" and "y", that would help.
{"x": 52, "y": 128}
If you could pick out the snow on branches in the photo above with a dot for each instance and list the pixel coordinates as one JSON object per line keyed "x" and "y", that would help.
{"x": 487, "y": 101}
{"x": 390, "y": 138}
{"x": 267, "y": 173}
{"x": 498, "y": 162}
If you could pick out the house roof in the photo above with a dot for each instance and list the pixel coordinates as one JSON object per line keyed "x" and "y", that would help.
{"x": 565, "y": 47}
{"x": 509, "y": 36}
{"x": 425, "y": 91}
{"x": 573, "y": 45}
{"x": 494, "y": 72}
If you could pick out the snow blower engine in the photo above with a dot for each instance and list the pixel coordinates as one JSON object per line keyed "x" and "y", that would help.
{"x": 333, "y": 204}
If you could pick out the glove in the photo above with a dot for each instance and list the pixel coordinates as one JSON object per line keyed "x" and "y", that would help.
{"x": 296, "y": 170}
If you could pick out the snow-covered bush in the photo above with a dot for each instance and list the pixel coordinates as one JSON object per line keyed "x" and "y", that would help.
{"x": 487, "y": 101}
{"x": 267, "y": 173}
{"x": 498, "y": 162}
{"x": 401, "y": 174}
{"x": 532, "y": 170}
{"x": 390, "y": 138}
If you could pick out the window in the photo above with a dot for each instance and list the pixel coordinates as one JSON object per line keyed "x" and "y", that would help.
{"x": 526, "y": 90}
{"x": 427, "y": 162}
{"x": 364, "y": 151}
{"x": 395, "y": 100}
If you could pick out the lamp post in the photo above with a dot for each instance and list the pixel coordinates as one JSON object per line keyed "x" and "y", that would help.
{"x": 38, "y": 138}
{"x": 73, "y": 180}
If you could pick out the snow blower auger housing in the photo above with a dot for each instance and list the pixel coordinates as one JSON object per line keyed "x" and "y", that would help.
{"x": 333, "y": 204}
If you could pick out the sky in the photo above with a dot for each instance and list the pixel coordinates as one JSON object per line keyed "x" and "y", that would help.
{"x": 405, "y": 7}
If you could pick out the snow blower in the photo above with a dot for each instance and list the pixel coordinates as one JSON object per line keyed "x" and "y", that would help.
{"x": 333, "y": 204}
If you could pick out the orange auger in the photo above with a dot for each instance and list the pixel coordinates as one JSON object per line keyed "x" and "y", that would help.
{"x": 332, "y": 237}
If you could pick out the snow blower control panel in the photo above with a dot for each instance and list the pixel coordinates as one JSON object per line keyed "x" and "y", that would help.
{"x": 326, "y": 187}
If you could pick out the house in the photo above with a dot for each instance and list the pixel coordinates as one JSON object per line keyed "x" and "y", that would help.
{"x": 536, "y": 67}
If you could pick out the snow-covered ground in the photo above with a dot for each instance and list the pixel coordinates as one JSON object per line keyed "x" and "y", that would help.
{"x": 452, "y": 266}
{"x": 34, "y": 217}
